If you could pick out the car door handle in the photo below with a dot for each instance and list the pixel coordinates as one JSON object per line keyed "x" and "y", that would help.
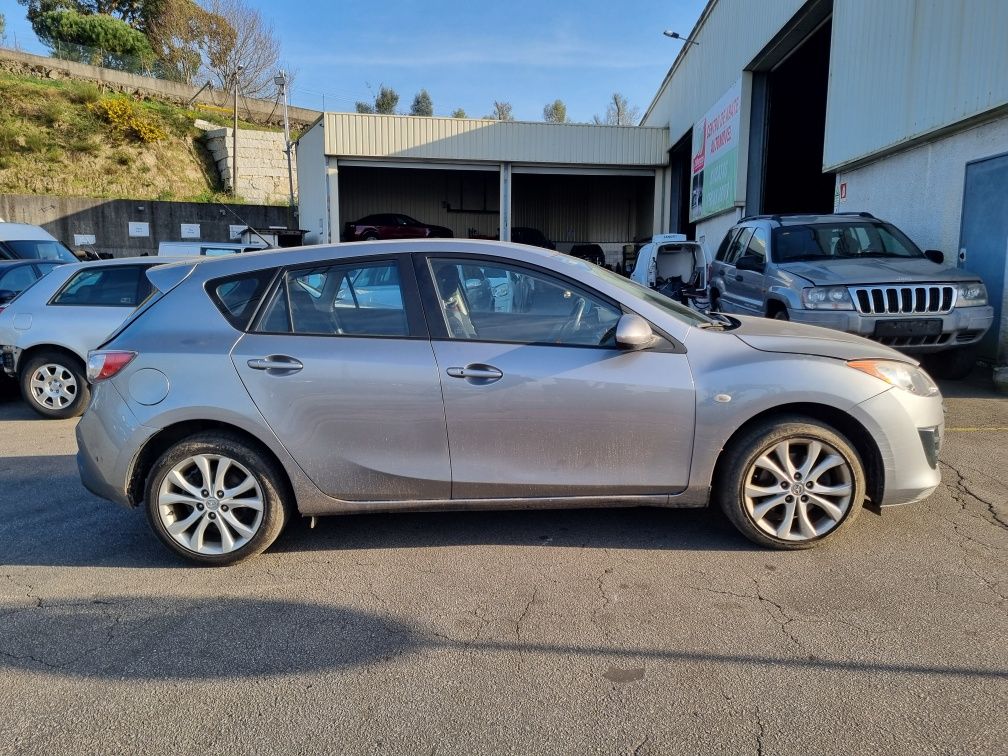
{"x": 476, "y": 373}
{"x": 279, "y": 362}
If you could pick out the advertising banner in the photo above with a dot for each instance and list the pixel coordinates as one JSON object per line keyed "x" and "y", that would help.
{"x": 715, "y": 156}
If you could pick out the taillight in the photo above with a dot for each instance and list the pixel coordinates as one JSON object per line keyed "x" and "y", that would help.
{"x": 104, "y": 365}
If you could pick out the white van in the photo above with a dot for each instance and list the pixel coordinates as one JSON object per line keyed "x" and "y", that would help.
{"x": 21, "y": 241}
{"x": 205, "y": 248}
{"x": 675, "y": 267}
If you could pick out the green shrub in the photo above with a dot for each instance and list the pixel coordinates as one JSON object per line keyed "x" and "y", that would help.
{"x": 53, "y": 112}
{"x": 83, "y": 92}
{"x": 123, "y": 158}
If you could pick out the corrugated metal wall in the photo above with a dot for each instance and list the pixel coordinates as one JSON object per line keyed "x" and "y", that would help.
{"x": 900, "y": 69}
{"x": 470, "y": 139}
{"x": 731, "y": 36}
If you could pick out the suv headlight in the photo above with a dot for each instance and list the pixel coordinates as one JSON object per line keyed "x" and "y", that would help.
{"x": 899, "y": 374}
{"x": 972, "y": 294}
{"x": 827, "y": 298}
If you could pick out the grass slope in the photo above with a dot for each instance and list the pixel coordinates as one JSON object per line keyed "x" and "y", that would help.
{"x": 55, "y": 140}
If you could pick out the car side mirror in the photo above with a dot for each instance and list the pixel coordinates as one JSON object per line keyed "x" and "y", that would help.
{"x": 748, "y": 262}
{"x": 935, "y": 256}
{"x": 633, "y": 332}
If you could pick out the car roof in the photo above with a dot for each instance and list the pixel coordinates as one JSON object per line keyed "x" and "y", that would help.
{"x": 807, "y": 219}
{"x": 24, "y": 232}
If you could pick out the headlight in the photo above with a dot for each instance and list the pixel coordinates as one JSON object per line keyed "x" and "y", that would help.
{"x": 898, "y": 374}
{"x": 827, "y": 298}
{"x": 972, "y": 294}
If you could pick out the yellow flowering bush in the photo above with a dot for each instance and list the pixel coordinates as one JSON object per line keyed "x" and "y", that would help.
{"x": 122, "y": 116}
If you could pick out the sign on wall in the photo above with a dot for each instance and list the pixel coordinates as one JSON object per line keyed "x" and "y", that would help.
{"x": 235, "y": 231}
{"x": 138, "y": 229}
{"x": 715, "y": 157}
{"x": 81, "y": 240}
{"x": 190, "y": 230}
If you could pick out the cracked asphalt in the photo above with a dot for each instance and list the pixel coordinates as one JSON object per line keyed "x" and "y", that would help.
{"x": 603, "y": 631}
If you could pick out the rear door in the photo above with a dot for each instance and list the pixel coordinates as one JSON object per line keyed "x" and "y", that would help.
{"x": 346, "y": 379}
{"x": 730, "y": 278}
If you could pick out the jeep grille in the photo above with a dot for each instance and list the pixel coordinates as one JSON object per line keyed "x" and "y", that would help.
{"x": 892, "y": 299}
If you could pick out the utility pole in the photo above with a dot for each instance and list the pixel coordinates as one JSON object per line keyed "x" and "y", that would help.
{"x": 234, "y": 137}
{"x": 281, "y": 81}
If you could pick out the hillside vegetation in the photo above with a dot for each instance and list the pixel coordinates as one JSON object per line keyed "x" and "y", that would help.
{"x": 69, "y": 138}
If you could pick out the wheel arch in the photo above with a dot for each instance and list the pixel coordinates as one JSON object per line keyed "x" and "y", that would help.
{"x": 29, "y": 352}
{"x": 161, "y": 441}
{"x": 845, "y": 424}
{"x": 775, "y": 305}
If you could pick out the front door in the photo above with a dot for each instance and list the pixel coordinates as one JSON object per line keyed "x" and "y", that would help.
{"x": 347, "y": 381}
{"x": 983, "y": 244}
{"x": 539, "y": 400}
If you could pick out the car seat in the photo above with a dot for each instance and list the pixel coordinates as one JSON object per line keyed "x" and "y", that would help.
{"x": 455, "y": 305}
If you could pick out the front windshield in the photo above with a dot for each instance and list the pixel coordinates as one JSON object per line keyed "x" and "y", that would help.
{"x": 670, "y": 306}
{"x": 841, "y": 241}
{"x": 41, "y": 249}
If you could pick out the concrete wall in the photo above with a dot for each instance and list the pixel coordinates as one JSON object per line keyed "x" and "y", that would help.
{"x": 260, "y": 111}
{"x": 108, "y": 220}
{"x": 262, "y": 163}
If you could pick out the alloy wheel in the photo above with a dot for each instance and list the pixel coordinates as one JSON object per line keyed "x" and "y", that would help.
{"x": 210, "y": 504}
{"x": 798, "y": 489}
{"x": 53, "y": 386}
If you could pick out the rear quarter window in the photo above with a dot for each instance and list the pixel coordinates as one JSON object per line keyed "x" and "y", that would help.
{"x": 237, "y": 297}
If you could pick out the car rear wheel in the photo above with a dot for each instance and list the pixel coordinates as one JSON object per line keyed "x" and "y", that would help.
{"x": 791, "y": 484}
{"x": 215, "y": 499}
{"x": 53, "y": 384}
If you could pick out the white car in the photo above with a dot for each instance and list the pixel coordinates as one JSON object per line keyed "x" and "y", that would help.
{"x": 676, "y": 268}
{"x": 48, "y": 329}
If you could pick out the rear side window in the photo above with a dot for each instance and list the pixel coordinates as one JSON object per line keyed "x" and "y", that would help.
{"x": 722, "y": 251}
{"x": 738, "y": 245}
{"x": 238, "y": 296}
{"x": 120, "y": 286}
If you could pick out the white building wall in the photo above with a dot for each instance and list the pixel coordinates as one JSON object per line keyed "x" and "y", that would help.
{"x": 711, "y": 231}
{"x": 313, "y": 212}
{"x": 921, "y": 189}
{"x": 902, "y": 69}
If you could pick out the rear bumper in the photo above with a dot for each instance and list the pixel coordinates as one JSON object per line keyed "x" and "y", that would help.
{"x": 961, "y": 327}
{"x": 9, "y": 358}
{"x": 109, "y": 437}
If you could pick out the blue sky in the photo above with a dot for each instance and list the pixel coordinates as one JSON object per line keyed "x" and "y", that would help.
{"x": 467, "y": 54}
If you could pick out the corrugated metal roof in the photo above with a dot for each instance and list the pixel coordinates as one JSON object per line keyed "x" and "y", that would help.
{"x": 481, "y": 140}
{"x": 902, "y": 69}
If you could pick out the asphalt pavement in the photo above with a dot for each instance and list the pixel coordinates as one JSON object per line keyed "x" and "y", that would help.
{"x": 623, "y": 631}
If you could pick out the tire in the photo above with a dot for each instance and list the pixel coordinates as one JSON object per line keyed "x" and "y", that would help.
{"x": 54, "y": 385}
{"x": 781, "y": 315}
{"x": 953, "y": 364}
{"x": 369, "y": 236}
{"x": 761, "y": 517}
{"x": 252, "y": 518}
{"x": 715, "y": 301}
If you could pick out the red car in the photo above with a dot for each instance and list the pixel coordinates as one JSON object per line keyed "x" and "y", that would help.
{"x": 392, "y": 226}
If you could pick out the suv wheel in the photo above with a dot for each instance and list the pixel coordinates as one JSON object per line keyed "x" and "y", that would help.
{"x": 53, "y": 384}
{"x": 791, "y": 483}
{"x": 214, "y": 499}
{"x": 781, "y": 314}
{"x": 953, "y": 364}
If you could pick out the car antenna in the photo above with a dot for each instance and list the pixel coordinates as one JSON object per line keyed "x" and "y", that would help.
{"x": 247, "y": 224}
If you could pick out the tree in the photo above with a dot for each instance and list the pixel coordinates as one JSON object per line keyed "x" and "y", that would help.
{"x": 95, "y": 38}
{"x": 501, "y": 111}
{"x": 189, "y": 39}
{"x": 555, "y": 112}
{"x": 459, "y": 113}
{"x": 253, "y": 56}
{"x": 422, "y": 104}
{"x": 364, "y": 107}
{"x": 3, "y": 29}
{"x": 386, "y": 100}
{"x": 620, "y": 112}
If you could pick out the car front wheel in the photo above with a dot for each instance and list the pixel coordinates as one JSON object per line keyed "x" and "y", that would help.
{"x": 53, "y": 384}
{"x": 215, "y": 499}
{"x": 791, "y": 483}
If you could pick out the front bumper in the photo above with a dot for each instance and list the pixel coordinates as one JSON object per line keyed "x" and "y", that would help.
{"x": 908, "y": 430}
{"x": 109, "y": 437}
{"x": 960, "y": 327}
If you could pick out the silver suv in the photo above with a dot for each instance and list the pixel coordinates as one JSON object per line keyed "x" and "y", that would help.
{"x": 854, "y": 273}
{"x": 384, "y": 377}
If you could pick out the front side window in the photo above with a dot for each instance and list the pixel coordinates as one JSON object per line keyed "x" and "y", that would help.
{"x": 738, "y": 245}
{"x": 756, "y": 249}
{"x": 333, "y": 300}
{"x": 722, "y": 251}
{"x": 121, "y": 286}
{"x": 494, "y": 301}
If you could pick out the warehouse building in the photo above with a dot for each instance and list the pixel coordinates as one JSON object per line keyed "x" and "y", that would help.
{"x": 898, "y": 108}
{"x": 576, "y": 183}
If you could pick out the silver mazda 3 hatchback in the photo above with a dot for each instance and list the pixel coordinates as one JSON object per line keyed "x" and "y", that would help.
{"x": 449, "y": 374}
